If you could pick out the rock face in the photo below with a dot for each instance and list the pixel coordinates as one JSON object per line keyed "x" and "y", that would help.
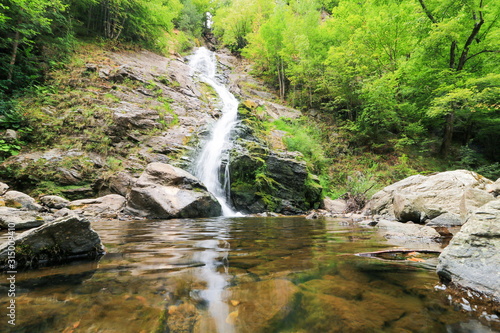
{"x": 164, "y": 191}
{"x": 472, "y": 259}
{"x": 446, "y": 198}
{"x": 18, "y": 219}
{"x": 59, "y": 240}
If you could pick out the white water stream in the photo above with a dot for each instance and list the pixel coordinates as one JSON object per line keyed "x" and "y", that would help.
{"x": 207, "y": 168}
{"x": 208, "y": 164}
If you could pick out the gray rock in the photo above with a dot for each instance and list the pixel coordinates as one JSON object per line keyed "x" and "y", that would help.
{"x": 407, "y": 231}
{"x": 18, "y": 219}
{"x": 54, "y": 201}
{"x": 17, "y": 199}
{"x": 62, "y": 239}
{"x": 337, "y": 206}
{"x": 107, "y": 206}
{"x": 63, "y": 212}
{"x": 164, "y": 191}
{"x": 419, "y": 198}
{"x": 472, "y": 259}
{"x": 3, "y": 188}
{"x": 283, "y": 185}
{"x": 10, "y": 135}
{"x": 471, "y": 200}
{"x": 446, "y": 220}
{"x": 68, "y": 176}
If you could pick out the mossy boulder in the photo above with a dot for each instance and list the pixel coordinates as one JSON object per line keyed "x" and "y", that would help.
{"x": 262, "y": 180}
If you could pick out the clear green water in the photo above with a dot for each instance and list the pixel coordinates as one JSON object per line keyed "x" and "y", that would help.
{"x": 236, "y": 275}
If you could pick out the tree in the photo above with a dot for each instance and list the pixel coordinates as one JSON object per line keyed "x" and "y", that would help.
{"x": 467, "y": 27}
{"x": 21, "y": 21}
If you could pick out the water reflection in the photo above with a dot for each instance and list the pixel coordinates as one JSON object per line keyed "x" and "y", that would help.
{"x": 213, "y": 253}
{"x": 236, "y": 275}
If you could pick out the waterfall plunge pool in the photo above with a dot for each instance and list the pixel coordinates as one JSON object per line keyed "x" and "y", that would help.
{"x": 286, "y": 274}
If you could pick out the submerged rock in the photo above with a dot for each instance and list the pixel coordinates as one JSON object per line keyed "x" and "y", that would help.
{"x": 260, "y": 306}
{"x": 420, "y": 198}
{"x": 58, "y": 240}
{"x": 472, "y": 259}
{"x": 164, "y": 191}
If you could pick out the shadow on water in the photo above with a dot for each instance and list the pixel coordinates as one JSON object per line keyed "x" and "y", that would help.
{"x": 228, "y": 275}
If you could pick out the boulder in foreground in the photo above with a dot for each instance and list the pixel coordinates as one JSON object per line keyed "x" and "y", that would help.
{"x": 472, "y": 259}
{"x": 59, "y": 240}
{"x": 164, "y": 191}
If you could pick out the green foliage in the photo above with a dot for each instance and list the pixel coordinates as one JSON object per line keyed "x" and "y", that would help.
{"x": 303, "y": 136}
{"x": 395, "y": 76}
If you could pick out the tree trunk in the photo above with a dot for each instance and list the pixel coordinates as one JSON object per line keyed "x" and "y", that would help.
{"x": 15, "y": 47}
{"x": 448, "y": 134}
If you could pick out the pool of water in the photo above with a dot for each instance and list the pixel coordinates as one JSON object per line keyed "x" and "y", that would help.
{"x": 229, "y": 275}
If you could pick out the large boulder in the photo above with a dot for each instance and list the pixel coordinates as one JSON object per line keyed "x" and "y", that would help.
{"x": 17, "y": 199}
{"x": 62, "y": 239}
{"x": 13, "y": 218}
{"x": 165, "y": 191}
{"x": 472, "y": 259}
{"x": 262, "y": 180}
{"x": 422, "y": 198}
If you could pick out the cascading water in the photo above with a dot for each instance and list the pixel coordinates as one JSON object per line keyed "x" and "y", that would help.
{"x": 208, "y": 164}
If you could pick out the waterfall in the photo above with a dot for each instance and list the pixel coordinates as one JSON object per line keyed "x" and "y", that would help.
{"x": 207, "y": 166}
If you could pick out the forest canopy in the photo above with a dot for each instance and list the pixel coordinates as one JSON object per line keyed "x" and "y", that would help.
{"x": 402, "y": 71}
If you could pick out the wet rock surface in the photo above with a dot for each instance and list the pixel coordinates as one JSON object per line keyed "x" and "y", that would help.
{"x": 472, "y": 259}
